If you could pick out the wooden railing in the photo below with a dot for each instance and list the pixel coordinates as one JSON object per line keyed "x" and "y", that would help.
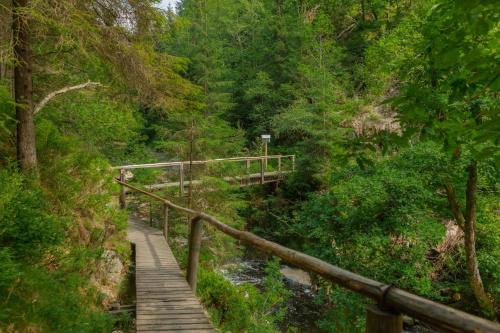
{"x": 385, "y": 316}
{"x": 246, "y": 179}
{"x": 228, "y": 159}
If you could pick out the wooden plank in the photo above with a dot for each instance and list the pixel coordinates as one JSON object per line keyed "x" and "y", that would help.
{"x": 185, "y": 315}
{"x": 179, "y": 330}
{"x": 172, "y": 327}
{"x": 173, "y": 320}
{"x": 164, "y": 301}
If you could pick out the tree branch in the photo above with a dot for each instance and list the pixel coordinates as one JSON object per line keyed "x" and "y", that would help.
{"x": 346, "y": 30}
{"x": 64, "y": 90}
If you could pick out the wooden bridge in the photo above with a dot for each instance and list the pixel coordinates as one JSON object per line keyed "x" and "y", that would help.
{"x": 270, "y": 169}
{"x": 165, "y": 303}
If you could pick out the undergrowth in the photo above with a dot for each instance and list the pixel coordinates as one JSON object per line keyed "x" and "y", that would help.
{"x": 53, "y": 233}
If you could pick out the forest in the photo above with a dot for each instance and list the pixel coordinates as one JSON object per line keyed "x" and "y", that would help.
{"x": 390, "y": 107}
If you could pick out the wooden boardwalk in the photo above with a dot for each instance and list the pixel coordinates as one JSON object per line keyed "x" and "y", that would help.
{"x": 165, "y": 302}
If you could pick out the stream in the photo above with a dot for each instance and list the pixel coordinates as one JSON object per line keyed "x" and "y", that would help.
{"x": 302, "y": 313}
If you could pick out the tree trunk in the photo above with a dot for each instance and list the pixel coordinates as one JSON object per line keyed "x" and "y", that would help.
{"x": 454, "y": 205}
{"x": 26, "y": 148}
{"x": 475, "y": 280}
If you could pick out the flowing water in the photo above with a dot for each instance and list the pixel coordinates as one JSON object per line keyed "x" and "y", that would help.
{"x": 302, "y": 312}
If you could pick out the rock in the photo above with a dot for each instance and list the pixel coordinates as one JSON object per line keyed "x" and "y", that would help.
{"x": 296, "y": 275}
{"x": 113, "y": 267}
{"x": 181, "y": 241}
{"x": 108, "y": 277}
{"x": 83, "y": 234}
{"x": 128, "y": 175}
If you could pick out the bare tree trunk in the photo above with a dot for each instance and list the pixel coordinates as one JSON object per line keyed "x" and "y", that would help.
{"x": 26, "y": 148}
{"x": 475, "y": 280}
{"x": 467, "y": 223}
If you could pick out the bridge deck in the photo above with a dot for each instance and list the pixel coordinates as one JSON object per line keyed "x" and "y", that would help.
{"x": 165, "y": 302}
{"x": 247, "y": 180}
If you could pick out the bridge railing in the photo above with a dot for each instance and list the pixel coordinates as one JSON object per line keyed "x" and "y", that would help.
{"x": 283, "y": 164}
{"x": 227, "y": 159}
{"x": 385, "y": 316}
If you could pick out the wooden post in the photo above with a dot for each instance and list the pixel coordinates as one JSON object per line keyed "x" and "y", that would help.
{"x": 181, "y": 179}
{"x": 379, "y": 321}
{"x": 265, "y": 154}
{"x": 123, "y": 198}
{"x": 194, "y": 251}
{"x": 150, "y": 213}
{"x": 279, "y": 167}
{"x": 262, "y": 168}
{"x": 165, "y": 221}
{"x": 248, "y": 172}
{"x": 293, "y": 162}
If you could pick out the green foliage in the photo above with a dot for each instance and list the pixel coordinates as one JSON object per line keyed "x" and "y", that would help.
{"x": 53, "y": 231}
{"x": 275, "y": 293}
{"x": 243, "y": 308}
{"x": 6, "y": 109}
{"x": 343, "y": 310}
{"x": 212, "y": 137}
{"x": 117, "y": 135}
{"x": 52, "y": 302}
{"x": 379, "y": 221}
{"x": 77, "y": 171}
{"x": 452, "y": 97}
{"x": 381, "y": 72}
{"x": 488, "y": 246}
{"x": 39, "y": 278}
{"x": 10, "y": 269}
{"x": 26, "y": 227}
{"x": 384, "y": 221}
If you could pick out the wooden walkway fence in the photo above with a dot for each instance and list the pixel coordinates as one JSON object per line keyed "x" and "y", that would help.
{"x": 284, "y": 164}
{"x": 390, "y": 302}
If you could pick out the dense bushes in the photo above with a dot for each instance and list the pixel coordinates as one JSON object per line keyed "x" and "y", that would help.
{"x": 53, "y": 232}
{"x": 27, "y": 229}
{"x": 379, "y": 222}
{"x": 41, "y": 287}
{"x": 387, "y": 221}
{"x": 244, "y": 308}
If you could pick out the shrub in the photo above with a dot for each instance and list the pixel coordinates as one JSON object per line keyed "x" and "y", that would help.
{"x": 244, "y": 308}
{"x": 26, "y": 228}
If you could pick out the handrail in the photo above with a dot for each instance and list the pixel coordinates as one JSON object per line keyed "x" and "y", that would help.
{"x": 176, "y": 163}
{"x": 388, "y": 297}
